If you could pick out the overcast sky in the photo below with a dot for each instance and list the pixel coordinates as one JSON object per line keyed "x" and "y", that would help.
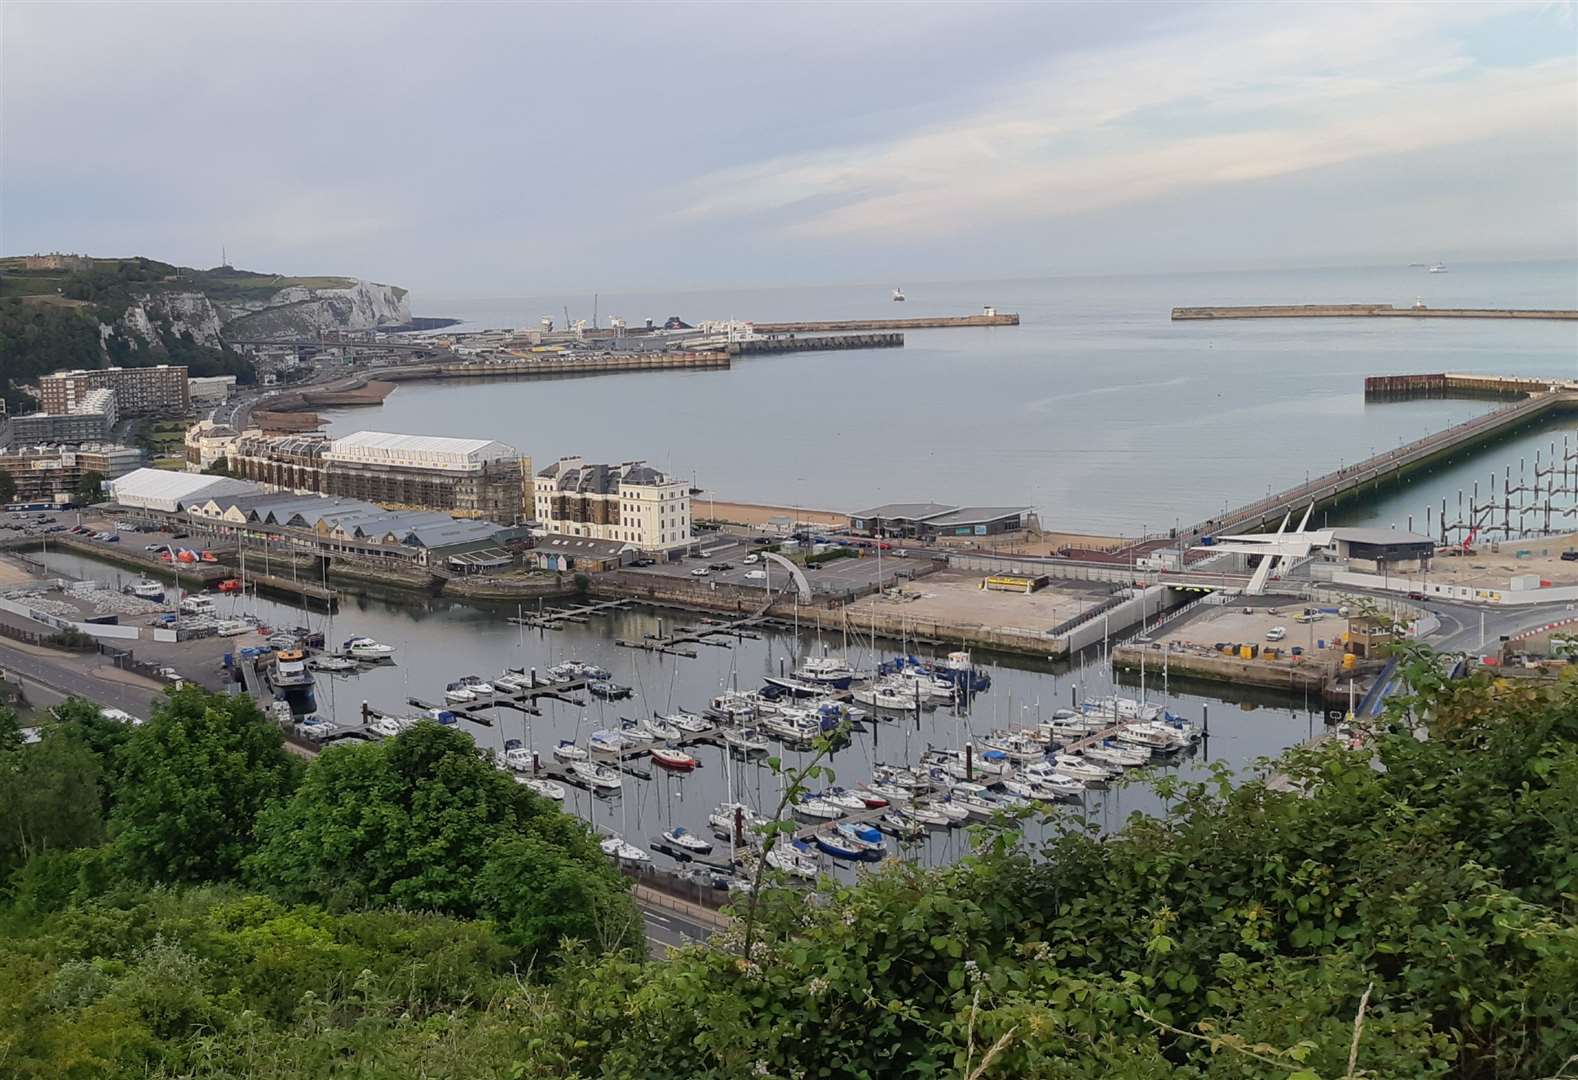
{"x": 497, "y": 149}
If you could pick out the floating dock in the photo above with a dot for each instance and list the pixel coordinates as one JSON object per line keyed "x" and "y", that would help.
{"x": 925, "y": 322}
{"x": 1364, "y": 311}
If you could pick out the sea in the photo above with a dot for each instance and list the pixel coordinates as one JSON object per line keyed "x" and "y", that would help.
{"x": 1097, "y": 411}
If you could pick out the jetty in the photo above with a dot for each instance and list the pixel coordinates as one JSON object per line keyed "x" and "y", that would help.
{"x": 793, "y": 342}
{"x": 924, "y": 322}
{"x": 1365, "y": 311}
{"x": 555, "y": 618}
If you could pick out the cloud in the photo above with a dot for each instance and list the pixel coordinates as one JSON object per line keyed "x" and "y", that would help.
{"x": 1222, "y": 102}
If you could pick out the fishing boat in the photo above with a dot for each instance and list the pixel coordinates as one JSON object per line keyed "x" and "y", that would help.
{"x": 548, "y": 789}
{"x": 796, "y": 857}
{"x": 744, "y": 741}
{"x": 724, "y": 818}
{"x": 458, "y": 693}
{"x": 864, "y": 837}
{"x": 597, "y": 776}
{"x": 287, "y": 673}
{"x": 670, "y": 758}
{"x": 838, "y": 845}
{"x": 817, "y": 809}
{"x": 682, "y": 837}
{"x": 366, "y": 649}
{"x": 686, "y": 722}
{"x": 568, "y": 751}
{"x": 144, "y": 589}
{"x": 616, "y": 847}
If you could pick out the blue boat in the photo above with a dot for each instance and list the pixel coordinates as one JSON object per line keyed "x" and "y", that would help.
{"x": 838, "y": 846}
{"x": 864, "y": 837}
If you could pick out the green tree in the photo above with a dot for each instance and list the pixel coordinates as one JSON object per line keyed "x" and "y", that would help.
{"x": 84, "y": 722}
{"x": 540, "y": 895}
{"x": 408, "y": 821}
{"x": 89, "y": 489}
{"x": 49, "y": 800}
{"x": 192, "y": 782}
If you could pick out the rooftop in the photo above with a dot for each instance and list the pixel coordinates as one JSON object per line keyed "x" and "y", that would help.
{"x": 908, "y": 511}
{"x": 974, "y": 515}
{"x": 386, "y": 445}
{"x": 1380, "y": 536}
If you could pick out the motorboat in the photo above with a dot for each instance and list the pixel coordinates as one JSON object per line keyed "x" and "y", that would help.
{"x": 229, "y": 585}
{"x": 744, "y": 741}
{"x": 571, "y": 670}
{"x": 987, "y": 762}
{"x": 893, "y": 793}
{"x": 1436, "y": 268}
{"x": 975, "y": 799}
{"x": 796, "y": 857}
{"x": 683, "y": 838}
{"x": 1047, "y": 777}
{"x": 510, "y": 682}
{"x": 197, "y": 605}
{"x": 597, "y": 776}
{"x": 607, "y": 742}
{"x": 724, "y": 818}
{"x": 366, "y": 649}
{"x": 1112, "y": 752}
{"x": 1124, "y": 708}
{"x": 386, "y": 726}
{"x": 616, "y": 847}
{"x": 838, "y": 845}
{"x": 332, "y": 664}
{"x": 888, "y": 696}
{"x": 636, "y": 730}
{"x": 548, "y": 789}
{"x": 736, "y": 707}
{"x": 925, "y": 685}
{"x": 1072, "y": 727}
{"x": 689, "y": 723}
{"x": 458, "y": 694}
{"x": 795, "y": 687}
{"x": 144, "y": 589}
{"x": 658, "y": 728}
{"x": 518, "y": 757}
{"x": 1018, "y": 746}
{"x": 608, "y": 690}
{"x": 864, "y": 837}
{"x": 442, "y": 716}
{"x": 790, "y": 729}
{"x": 670, "y": 758}
{"x": 1158, "y": 738}
{"x": 843, "y": 798}
{"x": 899, "y": 776}
{"x": 826, "y": 671}
{"x": 818, "y": 809}
{"x": 898, "y": 296}
{"x": 568, "y": 751}
{"x": 478, "y": 686}
{"x": 288, "y": 675}
{"x": 1077, "y": 767}
{"x": 954, "y": 813}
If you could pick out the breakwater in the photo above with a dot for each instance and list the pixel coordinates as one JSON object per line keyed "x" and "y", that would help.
{"x": 1449, "y": 385}
{"x": 1364, "y": 311}
{"x": 551, "y": 366}
{"x": 924, "y": 322}
{"x": 821, "y": 343}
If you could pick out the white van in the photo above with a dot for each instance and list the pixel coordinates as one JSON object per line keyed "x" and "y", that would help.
{"x": 756, "y": 575}
{"x": 751, "y": 560}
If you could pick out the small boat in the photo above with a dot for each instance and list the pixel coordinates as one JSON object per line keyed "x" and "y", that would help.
{"x": 147, "y": 590}
{"x": 387, "y": 726}
{"x": 955, "y": 813}
{"x": 568, "y": 751}
{"x": 796, "y": 857}
{"x": 594, "y": 775}
{"x": 1018, "y": 746}
{"x": 607, "y": 690}
{"x": 687, "y": 722}
{"x": 682, "y": 837}
{"x": 616, "y": 847}
{"x": 511, "y": 681}
{"x": 929, "y": 816}
{"x": 441, "y": 716}
{"x": 607, "y": 742}
{"x": 826, "y": 671}
{"x": 518, "y": 757}
{"x": 546, "y": 788}
{"x": 898, "y": 296}
{"x": 838, "y": 845}
{"x": 670, "y": 758}
{"x": 744, "y": 741}
{"x": 229, "y": 585}
{"x": 365, "y": 648}
{"x": 818, "y": 809}
{"x": 1436, "y": 268}
{"x": 1075, "y": 766}
{"x": 1111, "y": 752}
{"x": 843, "y": 798}
{"x": 636, "y": 730}
{"x": 660, "y": 729}
{"x": 902, "y": 825}
{"x": 870, "y": 798}
{"x": 456, "y": 694}
{"x": 864, "y": 837}
{"x": 724, "y": 818}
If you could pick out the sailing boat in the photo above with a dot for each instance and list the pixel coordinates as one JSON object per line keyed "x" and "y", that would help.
{"x": 898, "y": 296}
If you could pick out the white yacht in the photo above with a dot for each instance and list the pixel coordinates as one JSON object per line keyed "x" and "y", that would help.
{"x": 615, "y": 847}
{"x": 546, "y": 788}
{"x": 568, "y": 751}
{"x": 365, "y": 648}
{"x": 598, "y": 776}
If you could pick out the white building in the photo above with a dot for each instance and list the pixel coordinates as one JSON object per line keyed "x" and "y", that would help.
{"x": 206, "y": 442}
{"x": 210, "y": 389}
{"x": 171, "y": 492}
{"x": 631, "y": 503}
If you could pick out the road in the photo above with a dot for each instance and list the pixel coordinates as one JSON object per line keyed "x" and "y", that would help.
{"x": 52, "y": 677}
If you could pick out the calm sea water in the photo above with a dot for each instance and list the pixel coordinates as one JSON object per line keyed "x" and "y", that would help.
{"x": 1097, "y": 410}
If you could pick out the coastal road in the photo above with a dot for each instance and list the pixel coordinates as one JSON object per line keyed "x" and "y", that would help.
{"x": 50, "y": 677}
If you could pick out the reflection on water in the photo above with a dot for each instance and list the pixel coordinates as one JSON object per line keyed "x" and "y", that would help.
{"x": 437, "y": 641}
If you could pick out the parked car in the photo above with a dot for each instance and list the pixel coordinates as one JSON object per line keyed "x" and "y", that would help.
{"x": 1276, "y": 633}
{"x": 751, "y": 560}
{"x": 1570, "y": 555}
{"x": 756, "y": 575}
{"x": 721, "y": 566}
{"x": 644, "y": 562}
{"x": 700, "y": 571}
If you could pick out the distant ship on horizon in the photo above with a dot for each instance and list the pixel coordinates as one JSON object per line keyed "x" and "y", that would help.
{"x": 898, "y": 294}
{"x": 1436, "y": 268}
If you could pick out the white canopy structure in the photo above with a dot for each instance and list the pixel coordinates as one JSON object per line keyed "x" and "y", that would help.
{"x": 1275, "y": 548}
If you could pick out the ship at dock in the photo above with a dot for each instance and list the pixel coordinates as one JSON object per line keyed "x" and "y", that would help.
{"x": 292, "y": 682}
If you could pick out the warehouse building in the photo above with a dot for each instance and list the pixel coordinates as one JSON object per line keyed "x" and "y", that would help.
{"x": 165, "y": 492}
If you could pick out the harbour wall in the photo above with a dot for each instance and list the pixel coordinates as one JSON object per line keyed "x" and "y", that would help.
{"x": 822, "y": 343}
{"x": 1453, "y": 385}
{"x": 1364, "y": 311}
{"x": 857, "y": 325}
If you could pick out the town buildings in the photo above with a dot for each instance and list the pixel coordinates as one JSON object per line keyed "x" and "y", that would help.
{"x": 90, "y": 420}
{"x": 207, "y": 443}
{"x": 139, "y": 391}
{"x": 210, "y": 389}
{"x": 53, "y": 474}
{"x": 630, "y": 502}
{"x": 938, "y": 521}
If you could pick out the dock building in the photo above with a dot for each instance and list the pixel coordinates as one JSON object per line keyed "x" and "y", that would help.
{"x": 631, "y": 503}
{"x": 937, "y": 521}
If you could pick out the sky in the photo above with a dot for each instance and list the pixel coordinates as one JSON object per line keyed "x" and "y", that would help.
{"x": 499, "y": 149}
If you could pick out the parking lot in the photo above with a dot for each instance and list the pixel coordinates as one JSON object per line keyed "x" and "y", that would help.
{"x": 956, "y": 596}
{"x": 835, "y": 577}
{"x": 1208, "y": 625}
